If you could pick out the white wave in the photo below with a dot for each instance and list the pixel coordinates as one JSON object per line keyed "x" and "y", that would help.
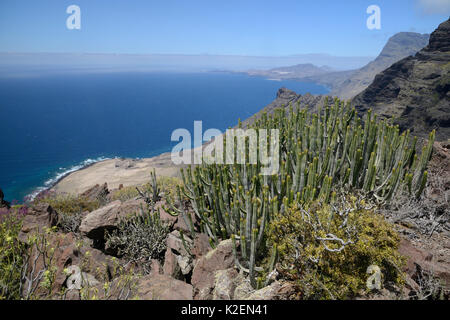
{"x": 61, "y": 174}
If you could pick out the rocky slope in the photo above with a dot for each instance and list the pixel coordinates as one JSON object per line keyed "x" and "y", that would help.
{"x": 415, "y": 90}
{"x": 84, "y": 266}
{"x": 347, "y": 84}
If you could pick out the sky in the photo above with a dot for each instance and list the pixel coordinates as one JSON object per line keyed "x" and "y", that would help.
{"x": 228, "y": 27}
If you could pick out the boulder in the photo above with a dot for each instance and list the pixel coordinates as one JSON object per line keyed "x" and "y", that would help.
{"x": 163, "y": 287}
{"x": 108, "y": 217}
{"x": 418, "y": 259}
{"x": 77, "y": 279}
{"x": 243, "y": 288}
{"x": 185, "y": 264}
{"x": 125, "y": 163}
{"x": 3, "y": 203}
{"x": 132, "y": 207}
{"x": 39, "y": 217}
{"x": 96, "y": 222}
{"x": 171, "y": 267}
{"x": 181, "y": 224}
{"x": 164, "y": 216}
{"x": 275, "y": 291}
{"x": 155, "y": 267}
{"x": 201, "y": 245}
{"x": 175, "y": 243}
{"x": 224, "y": 284}
{"x": 177, "y": 258}
{"x": 97, "y": 192}
{"x": 203, "y": 275}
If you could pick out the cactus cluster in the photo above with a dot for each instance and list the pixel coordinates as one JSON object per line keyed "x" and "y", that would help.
{"x": 140, "y": 238}
{"x": 320, "y": 153}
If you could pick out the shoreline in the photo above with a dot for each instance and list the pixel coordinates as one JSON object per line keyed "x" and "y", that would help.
{"x": 115, "y": 172}
{"x": 119, "y": 171}
{"x": 40, "y": 190}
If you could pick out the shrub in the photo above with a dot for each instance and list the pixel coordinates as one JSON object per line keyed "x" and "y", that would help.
{"x": 70, "y": 222}
{"x": 326, "y": 249}
{"x": 69, "y": 204}
{"x": 12, "y": 253}
{"x": 126, "y": 193}
{"x": 167, "y": 186}
{"x": 70, "y": 208}
{"x": 27, "y": 270}
{"x": 139, "y": 239}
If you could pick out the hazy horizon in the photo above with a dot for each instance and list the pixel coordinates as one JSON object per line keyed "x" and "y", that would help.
{"x": 198, "y": 36}
{"x": 96, "y": 62}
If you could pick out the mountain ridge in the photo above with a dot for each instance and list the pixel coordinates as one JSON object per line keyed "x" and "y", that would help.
{"x": 347, "y": 84}
{"x": 416, "y": 90}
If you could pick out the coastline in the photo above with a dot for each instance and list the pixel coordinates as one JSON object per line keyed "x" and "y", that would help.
{"x": 119, "y": 171}
{"x": 115, "y": 172}
{"x": 59, "y": 177}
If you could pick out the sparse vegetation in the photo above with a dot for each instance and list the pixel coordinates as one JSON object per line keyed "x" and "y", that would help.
{"x": 126, "y": 193}
{"x": 12, "y": 254}
{"x": 139, "y": 239}
{"x": 167, "y": 187}
{"x": 70, "y": 222}
{"x": 68, "y": 204}
{"x": 327, "y": 249}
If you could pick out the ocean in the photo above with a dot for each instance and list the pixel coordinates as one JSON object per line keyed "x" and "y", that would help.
{"x": 53, "y": 124}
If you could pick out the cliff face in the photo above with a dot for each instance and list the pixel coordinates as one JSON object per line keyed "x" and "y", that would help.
{"x": 347, "y": 84}
{"x": 415, "y": 90}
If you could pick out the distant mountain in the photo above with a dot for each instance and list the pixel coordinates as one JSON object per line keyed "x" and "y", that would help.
{"x": 347, "y": 84}
{"x": 293, "y": 72}
{"x": 32, "y": 63}
{"x": 415, "y": 90}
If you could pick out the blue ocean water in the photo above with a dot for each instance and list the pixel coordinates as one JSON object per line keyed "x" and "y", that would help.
{"x": 53, "y": 124}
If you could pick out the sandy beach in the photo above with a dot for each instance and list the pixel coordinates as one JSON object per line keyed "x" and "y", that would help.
{"x": 115, "y": 172}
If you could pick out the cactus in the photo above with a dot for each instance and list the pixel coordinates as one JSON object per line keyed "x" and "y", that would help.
{"x": 151, "y": 198}
{"x": 321, "y": 153}
{"x": 154, "y": 186}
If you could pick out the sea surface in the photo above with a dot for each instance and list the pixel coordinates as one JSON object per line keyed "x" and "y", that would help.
{"x": 53, "y": 124}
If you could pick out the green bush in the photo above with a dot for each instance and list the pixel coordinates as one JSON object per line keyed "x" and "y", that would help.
{"x": 27, "y": 270}
{"x": 169, "y": 185}
{"x": 69, "y": 204}
{"x": 12, "y": 256}
{"x": 126, "y": 193}
{"x": 326, "y": 249}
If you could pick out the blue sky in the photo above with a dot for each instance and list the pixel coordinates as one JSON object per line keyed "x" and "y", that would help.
{"x": 232, "y": 27}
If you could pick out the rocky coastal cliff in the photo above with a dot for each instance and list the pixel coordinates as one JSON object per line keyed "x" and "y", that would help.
{"x": 416, "y": 90}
